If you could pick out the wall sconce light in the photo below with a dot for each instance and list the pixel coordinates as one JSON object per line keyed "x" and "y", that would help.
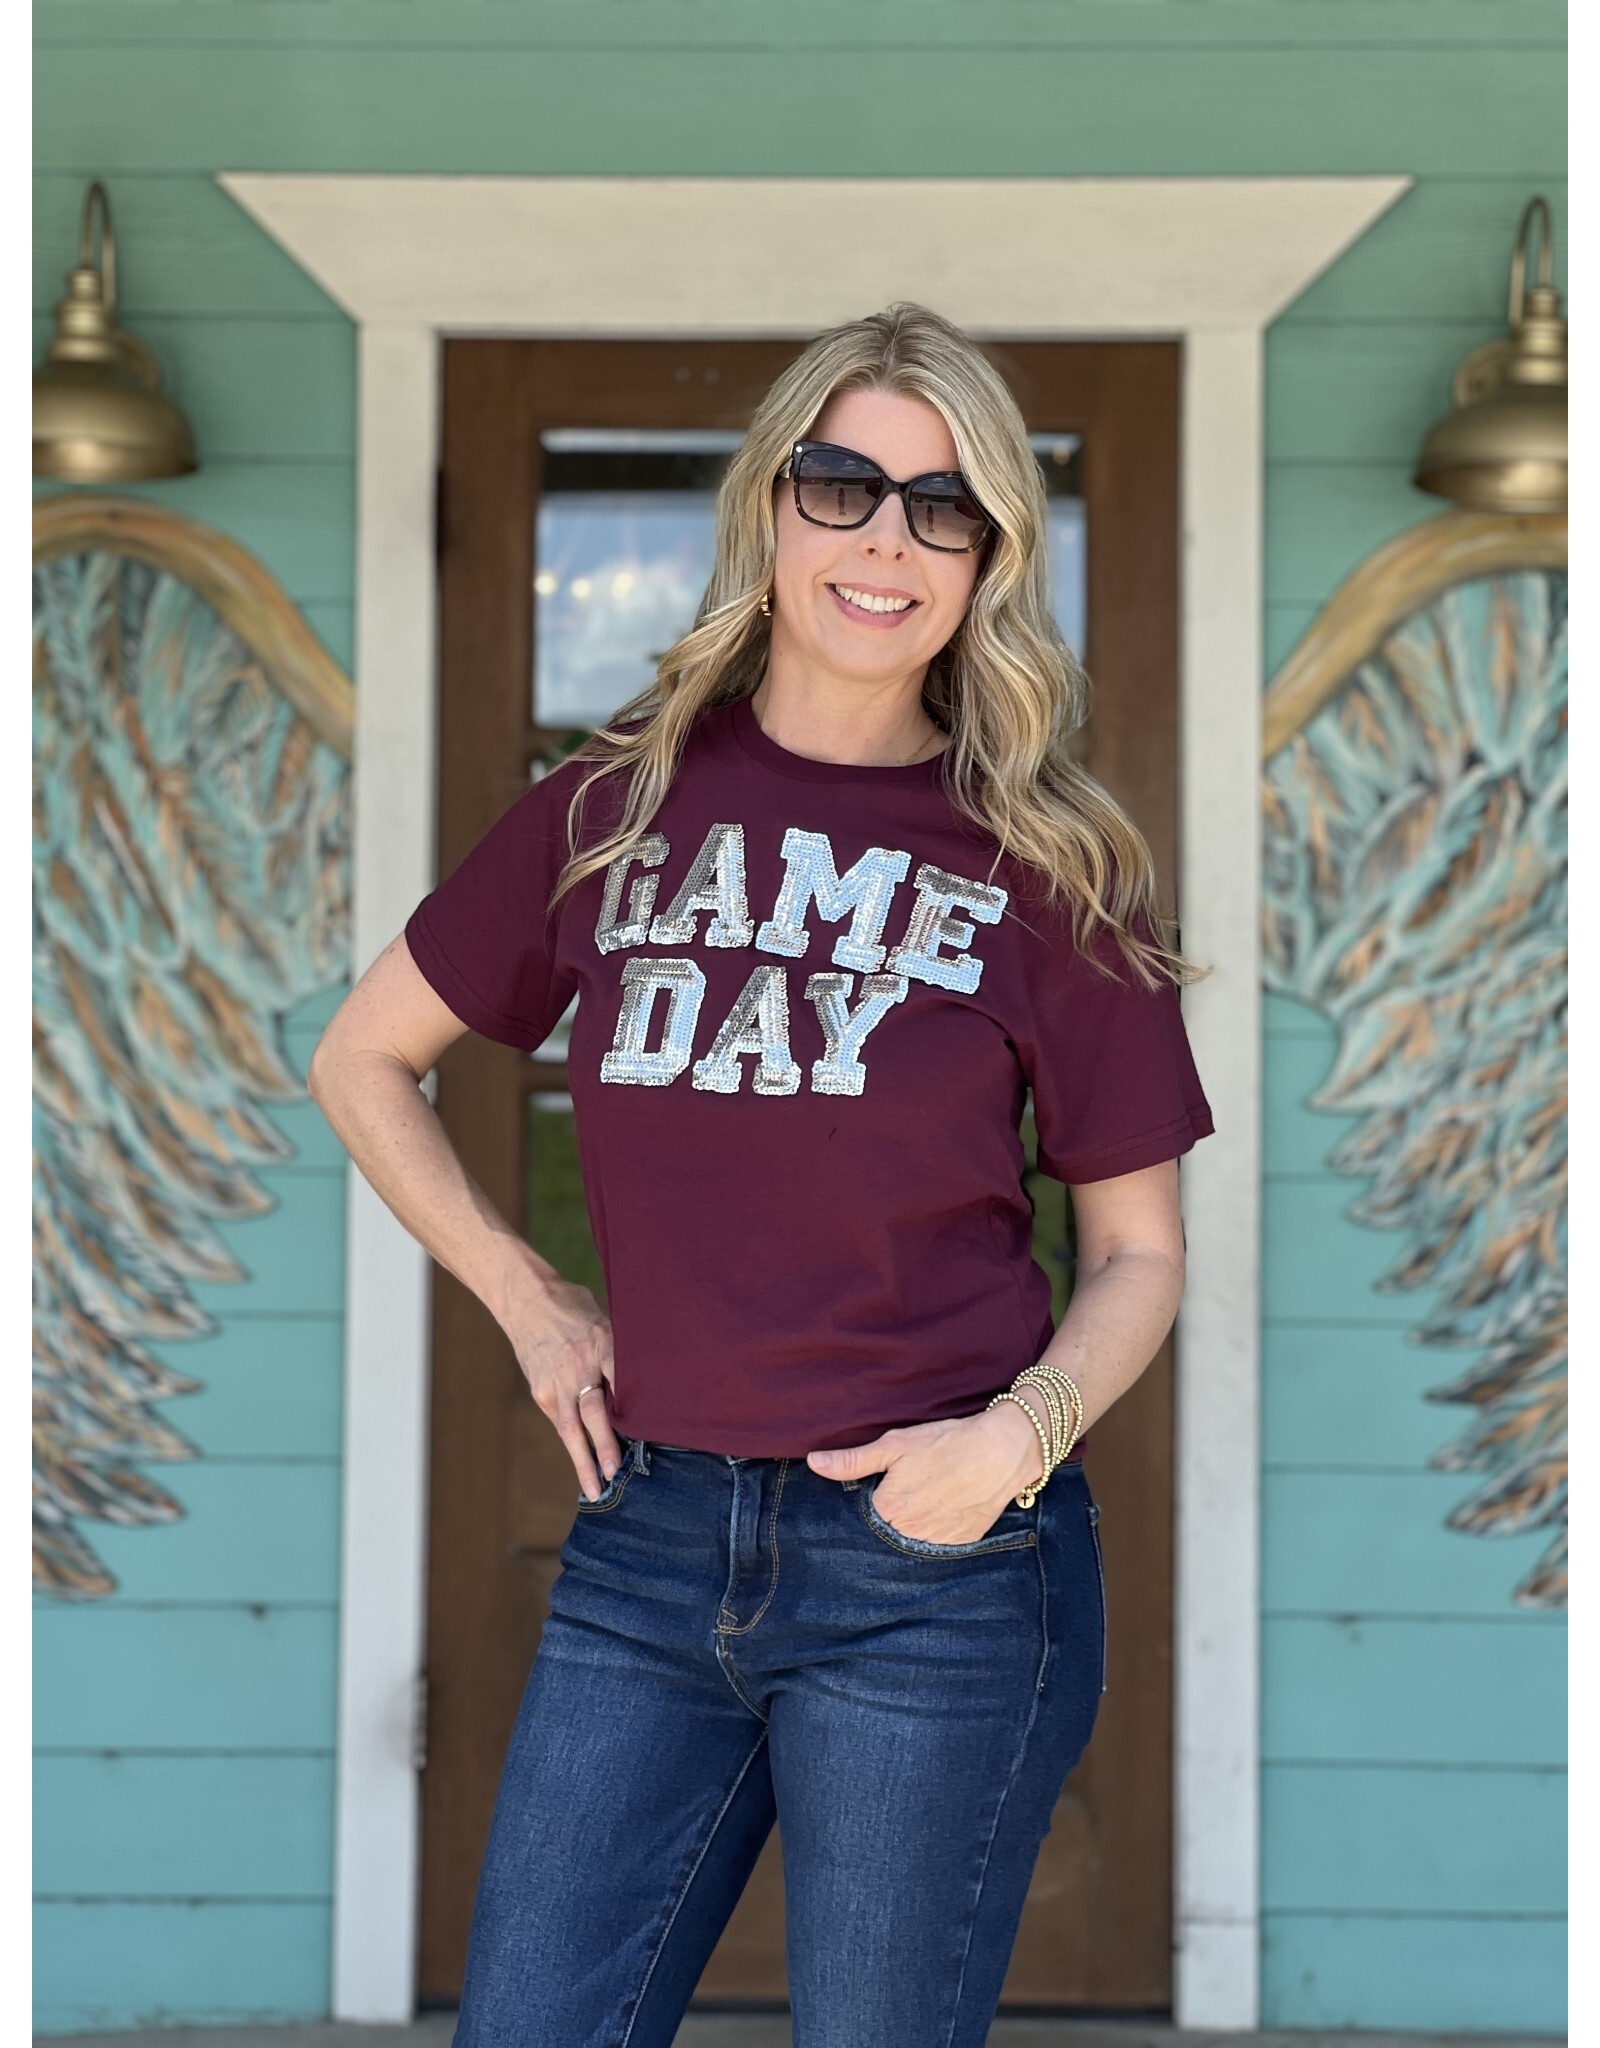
{"x": 99, "y": 414}
{"x": 1504, "y": 446}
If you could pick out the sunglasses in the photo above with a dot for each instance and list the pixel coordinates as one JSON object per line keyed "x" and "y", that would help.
{"x": 836, "y": 486}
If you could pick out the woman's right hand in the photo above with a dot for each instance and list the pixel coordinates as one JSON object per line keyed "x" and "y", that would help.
{"x": 562, "y": 1338}
{"x": 366, "y": 1076}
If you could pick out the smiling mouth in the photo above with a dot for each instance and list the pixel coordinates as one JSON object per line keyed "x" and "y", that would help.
{"x": 862, "y": 604}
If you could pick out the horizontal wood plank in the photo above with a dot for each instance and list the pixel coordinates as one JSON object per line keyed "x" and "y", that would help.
{"x": 1364, "y": 1689}
{"x": 1288, "y": 1017}
{"x": 771, "y": 24}
{"x": 1368, "y": 391}
{"x": 179, "y": 1678}
{"x": 1320, "y": 1266}
{"x": 1322, "y": 519}
{"x": 270, "y": 1387}
{"x": 183, "y": 1827}
{"x": 293, "y": 1255}
{"x": 1298, "y": 1138}
{"x": 1367, "y": 1543}
{"x": 1472, "y": 1973}
{"x": 1351, "y": 1839}
{"x": 1148, "y": 111}
{"x": 126, "y": 1963}
{"x": 1337, "y": 1397}
{"x": 258, "y": 1533}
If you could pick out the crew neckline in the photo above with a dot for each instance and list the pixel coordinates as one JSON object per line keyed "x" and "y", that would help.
{"x": 801, "y": 768}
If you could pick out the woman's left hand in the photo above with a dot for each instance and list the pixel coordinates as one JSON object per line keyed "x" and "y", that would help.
{"x": 945, "y": 1482}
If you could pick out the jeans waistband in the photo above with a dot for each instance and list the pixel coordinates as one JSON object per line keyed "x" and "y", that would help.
{"x": 748, "y": 1458}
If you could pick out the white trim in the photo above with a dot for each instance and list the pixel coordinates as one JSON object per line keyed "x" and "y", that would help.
{"x": 384, "y": 1568}
{"x": 1019, "y": 256}
{"x": 1210, "y": 261}
{"x": 1216, "y": 1890}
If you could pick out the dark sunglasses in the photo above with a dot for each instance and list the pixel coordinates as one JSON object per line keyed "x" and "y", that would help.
{"x": 836, "y": 486}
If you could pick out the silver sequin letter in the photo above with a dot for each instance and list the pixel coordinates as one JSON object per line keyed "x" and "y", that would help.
{"x": 757, "y": 1023}
{"x": 642, "y": 981}
{"x": 611, "y": 934}
{"x": 931, "y": 926}
{"x": 714, "y": 882}
{"x": 864, "y": 889}
{"x": 844, "y": 1031}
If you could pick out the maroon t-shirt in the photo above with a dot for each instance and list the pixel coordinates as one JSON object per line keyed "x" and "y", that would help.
{"x": 808, "y": 1020}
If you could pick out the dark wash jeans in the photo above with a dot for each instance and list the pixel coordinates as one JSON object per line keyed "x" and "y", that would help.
{"x": 734, "y": 1641}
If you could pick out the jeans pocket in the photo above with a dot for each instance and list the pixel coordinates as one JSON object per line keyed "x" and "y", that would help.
{"x": 1014, "y": 1529}
{"x": 612, "y": 1489}
{"x": 1100, "y": 1576}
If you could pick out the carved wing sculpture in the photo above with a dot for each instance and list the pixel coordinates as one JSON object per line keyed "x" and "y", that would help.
{"x": 191, "y": 885}
{"x": 1415, "y": 882}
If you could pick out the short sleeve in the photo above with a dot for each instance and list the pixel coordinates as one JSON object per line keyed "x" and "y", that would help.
{"x": 1114, "y": 1082}
{"x": 485, "y": 939}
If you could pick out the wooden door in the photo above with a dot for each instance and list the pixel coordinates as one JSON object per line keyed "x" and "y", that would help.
{"x": 518, "y": 418}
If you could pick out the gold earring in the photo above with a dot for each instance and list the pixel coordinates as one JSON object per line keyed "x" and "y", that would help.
{"x": 766, "y": 604}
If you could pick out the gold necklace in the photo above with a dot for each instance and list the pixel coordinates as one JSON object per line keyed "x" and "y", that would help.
{"x": 906, "y": 763}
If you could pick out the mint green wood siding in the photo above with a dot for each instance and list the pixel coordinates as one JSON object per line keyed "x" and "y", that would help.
{"x": 1413, "y": 1728}
{"x": 107, "y": 1963}
{"x": 153, "y": 1827}
{"x": 1414, "y": 1731}
{"x": 174, "y": 1675}
{"x": 1515, "y": 1965}
{"x": 184, "y": 1725}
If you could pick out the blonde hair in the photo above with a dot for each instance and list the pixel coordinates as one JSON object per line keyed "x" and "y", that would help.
{"x": 1006, "y": 687}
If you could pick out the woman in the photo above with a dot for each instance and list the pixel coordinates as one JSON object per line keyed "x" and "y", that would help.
{"x": 834, "y": 898}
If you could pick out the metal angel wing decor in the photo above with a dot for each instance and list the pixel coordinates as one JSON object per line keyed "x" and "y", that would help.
{"x": 1415, "y": 800}
{"x": 191, "y": 884}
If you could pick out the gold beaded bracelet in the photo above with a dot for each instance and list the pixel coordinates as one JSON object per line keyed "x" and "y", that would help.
{"x": 1053, "y": 1400}
{"x": 1048, "y": 1374}
{"x": 1049, "y": 1380}
{"x": 1057, "y": 1389}
{"x": 1025, "y": 1498}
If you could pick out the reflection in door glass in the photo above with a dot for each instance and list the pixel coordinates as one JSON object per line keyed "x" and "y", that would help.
{"x": 625, "y": 537}
{"x": 1060, "y": 457}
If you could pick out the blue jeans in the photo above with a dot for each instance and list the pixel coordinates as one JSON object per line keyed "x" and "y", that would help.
{"x": 737, "y": 1641}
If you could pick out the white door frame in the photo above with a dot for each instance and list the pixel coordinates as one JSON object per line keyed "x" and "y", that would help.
{"x": 1207, "y": 261}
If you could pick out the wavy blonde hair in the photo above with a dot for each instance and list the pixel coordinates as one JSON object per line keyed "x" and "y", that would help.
{"x": 1006, "y": 687}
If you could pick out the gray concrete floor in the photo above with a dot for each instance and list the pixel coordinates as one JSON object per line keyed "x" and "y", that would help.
{"x": 740, "y": 2030}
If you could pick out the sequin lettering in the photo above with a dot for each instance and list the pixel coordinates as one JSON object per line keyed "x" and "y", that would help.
{"x": 715, "y": 882}
{"x": 758, "y": 1023}
{"x": 844, "y": 1031}
{"x": 642, "y": 981}
{"x": 933, "y": 948}
{"x": 612, "y": 933}
{"x": 932, "y": 925}
{"x": 810, "y": 876}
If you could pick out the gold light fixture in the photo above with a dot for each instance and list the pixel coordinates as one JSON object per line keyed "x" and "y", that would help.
{"x": 1504, "y": 446}
{"x": 99, "y": 414}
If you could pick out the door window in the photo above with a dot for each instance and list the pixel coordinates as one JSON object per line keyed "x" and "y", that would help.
{"x": 624, "y": 548}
